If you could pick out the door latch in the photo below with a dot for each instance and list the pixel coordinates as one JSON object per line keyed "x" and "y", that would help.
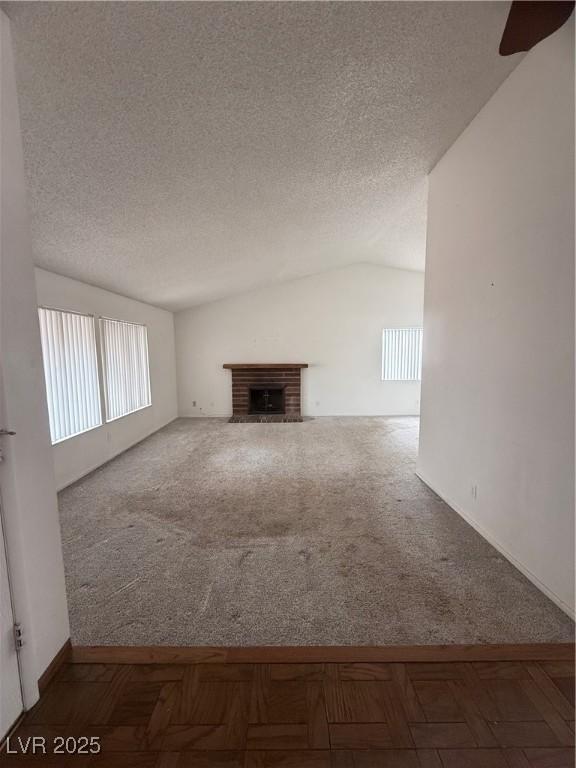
{"x": 18, "y": 636}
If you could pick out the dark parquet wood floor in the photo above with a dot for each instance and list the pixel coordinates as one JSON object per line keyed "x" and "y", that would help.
{"x": 458, "y": 714}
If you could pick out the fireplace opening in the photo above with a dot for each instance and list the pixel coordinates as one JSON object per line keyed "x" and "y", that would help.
{"x": 267, "y": 399}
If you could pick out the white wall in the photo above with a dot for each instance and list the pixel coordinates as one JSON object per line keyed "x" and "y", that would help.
{"x": 75, "y": 457}
{"x": 27, "y": 482}
{"x": 498, "y": 381}
{"x": 332, "y": 321}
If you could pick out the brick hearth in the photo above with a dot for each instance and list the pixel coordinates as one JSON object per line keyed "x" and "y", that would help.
{"x": 246, "y": 375}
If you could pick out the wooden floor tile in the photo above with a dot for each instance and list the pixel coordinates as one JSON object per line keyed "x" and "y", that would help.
{"x": 125, "y": 760}
{"x": 355, "y": 702}
{"x": 281, "y": 736}
{"x": 153, "y": 673}
{"x": 360, "y": 736}
{"x": 102, "y": 713}
{"x": 136, "y": 703}
{"x": 88, "y": 673}
{"x": 473, "y": 758}
{"x": 500, "y": 670}
{"x": 208, "y": 760}
{"x": 168, "y": 760}
{"x": 68, "y": 703}
{"x": 317, "y": 721}
{"x": 226, "y": 672}
{"x": 207, "y": 705}
{"x": 550, "y": 711}
{"x": 434, "y": 671}
{"x": 442, "y": 735}
{"x": 469, "y": 700}
{"x": 285, "y": 702}
{"x": 203, "y": 711}
{"x": 556, "y": 694}
{"x": 511, "y": 701}
{"x": 558, "y": 668}
{"x": 438, "y": 701}
{"x": 288, "y": 759}
{"x": 389, "y": 758}
{"x": 429, "y": 758}
{"x": 550, "y": 758}
{"x": 396, "y": 716}
{"x": 49, "y": 761}
{"x": 363, "y": 671}
{"x": 297, "y": 672}
{"x": 515, "y": 757}
{"x": 403, "y": 687}
{"x": 524, "y": 735}
{"x": 566, "y": 687}
{"x": 181, "y": 738}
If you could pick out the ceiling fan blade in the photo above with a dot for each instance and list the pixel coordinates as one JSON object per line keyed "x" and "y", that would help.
{"x": 530, "y": 22}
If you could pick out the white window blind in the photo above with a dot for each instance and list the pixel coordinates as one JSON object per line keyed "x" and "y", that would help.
{"x": 71, "y": 372}
{"x": 401, "y": 354}
{"x": 125, "y": 362}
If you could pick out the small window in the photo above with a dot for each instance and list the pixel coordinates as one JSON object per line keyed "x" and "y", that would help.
{"x": 126, "y": 371}
{"x": 71, "y": 372}
{"x": 401, "y": 354}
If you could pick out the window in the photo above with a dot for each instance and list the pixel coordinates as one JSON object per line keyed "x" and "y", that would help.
{"x": 125, "y": 365}
{"x": 71, "y": 372}
{"x": 401, "y": 354}
{"x": 71, "y": 368}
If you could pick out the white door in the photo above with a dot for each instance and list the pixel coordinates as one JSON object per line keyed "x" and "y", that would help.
{"x": 10, "y": 692}
{"x": 11, "y": 702}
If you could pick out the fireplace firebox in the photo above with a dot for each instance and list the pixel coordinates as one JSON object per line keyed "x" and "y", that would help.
{"x": 268, "y": 398}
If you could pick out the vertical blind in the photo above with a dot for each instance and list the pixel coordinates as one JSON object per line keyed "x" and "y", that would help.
{"x": 125, "y": 361}
{"x": 71, "y": 372}
{"x": 401, "y": 354}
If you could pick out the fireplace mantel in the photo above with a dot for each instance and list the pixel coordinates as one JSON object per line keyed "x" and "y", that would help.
{"x": 265, "y": 366}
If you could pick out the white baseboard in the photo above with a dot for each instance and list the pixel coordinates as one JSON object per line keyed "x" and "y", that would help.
{"x": 312, "y": 415}
{"x": 204, "y": 415}
{"x": 569, "y": 610}
{"x": 112, "y": 456}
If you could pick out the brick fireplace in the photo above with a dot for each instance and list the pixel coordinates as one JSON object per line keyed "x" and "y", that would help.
{"x": 262, "y": 389}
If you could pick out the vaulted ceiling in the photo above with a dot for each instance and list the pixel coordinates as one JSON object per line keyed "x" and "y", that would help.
{"x": 181, "y": 152}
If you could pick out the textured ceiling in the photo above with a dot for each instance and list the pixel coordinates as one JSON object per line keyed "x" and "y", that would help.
{"x": 181, "y": 152}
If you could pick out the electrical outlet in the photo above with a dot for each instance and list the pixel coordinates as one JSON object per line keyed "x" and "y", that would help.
{"x": 474, "y": 492}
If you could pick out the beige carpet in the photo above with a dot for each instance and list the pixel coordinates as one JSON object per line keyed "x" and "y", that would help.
{"x": 312, "y": 533}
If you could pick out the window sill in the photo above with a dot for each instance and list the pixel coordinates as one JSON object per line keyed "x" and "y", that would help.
{"x": 124, "y": 415}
